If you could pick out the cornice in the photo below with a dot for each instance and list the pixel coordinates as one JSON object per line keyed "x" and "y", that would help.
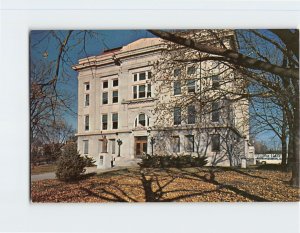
{"x": 102, "y": 60}
{"x": 102, "y": 132}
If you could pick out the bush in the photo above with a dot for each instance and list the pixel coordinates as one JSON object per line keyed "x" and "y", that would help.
{"x": 172, "y": 161}
{"x": 90, "y": 162}
{"x": 199, "y": 161}
{"x": 150, "y": 161}
{"x": 70, "y": 165}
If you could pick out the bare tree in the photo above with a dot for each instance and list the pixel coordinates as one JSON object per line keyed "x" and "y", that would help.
{"x": 286, "y": 43}
{"x": 46, "y": 103}
{"x": 51, "y": 58}
{"x": 260, "y": 147}
{"x": 193, "y": 86}
{"x": 269, "y": 115}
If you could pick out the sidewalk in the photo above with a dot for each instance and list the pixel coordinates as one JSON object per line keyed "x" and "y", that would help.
{"x": 51, "y": 175}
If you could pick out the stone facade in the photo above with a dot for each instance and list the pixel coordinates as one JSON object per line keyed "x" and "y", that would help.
{"x": 118, "y": 116}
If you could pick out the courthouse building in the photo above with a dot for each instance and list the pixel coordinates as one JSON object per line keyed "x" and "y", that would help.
{"x": 120, "y": 119}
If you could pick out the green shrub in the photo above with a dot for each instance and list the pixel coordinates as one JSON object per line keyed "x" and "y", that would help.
{"x": 199, "y": 161}
{"x": 172, "y": 161}
{"x": 70, "y": 165}
{"x": 90, "y": 162}
{"x": 150, "y": 161}
{"x": 166, "y": 161}
{"x": 184, "y": 161}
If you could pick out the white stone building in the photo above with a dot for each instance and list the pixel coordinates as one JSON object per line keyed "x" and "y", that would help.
{"x": 117, "y": 104}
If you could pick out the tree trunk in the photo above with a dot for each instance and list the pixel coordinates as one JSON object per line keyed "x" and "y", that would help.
{"x": 296, "y": 144}
{"x": 284, "y": 152}
{"x": 290, "y": 149}
{"x": 283, "y": 140}
{"x": 230, "y": 159}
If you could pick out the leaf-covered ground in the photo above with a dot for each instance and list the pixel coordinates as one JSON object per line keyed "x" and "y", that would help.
{"x": 166, "y": 185}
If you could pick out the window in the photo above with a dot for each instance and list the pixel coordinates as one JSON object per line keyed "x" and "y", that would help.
{"x": 215, "y": 82}
{"x": 135, "y": 92}
{"x": 191, "y": 70}
{"x": 86, "y": 122}
{"x": 191, "y": 85}
{"x": 177, "y": 88}
{"x": 87, "y": 100}
{"x": 101, "y": 159}
{"x": 85, "y": 146}
{"x": 115, "y": 82}
{"x": 115, "y": 120}
{"x": 176, "y": 144}
{"x": 215, "y": 143}
{"x": 177, "y": 72}
{"x": 105, "y": 84}
{"x": 105, "y": 98}
{"x": 115, "y": 97}
{"x": 142, "y": 91}
{"x": 87, "y": 86}
{"x": 142, "y": 119}
{"x": 177, "y": 116}
{"x": 215, "y": 114}
{"x": 191, "y": 114}
{"x": 149, "y": 90}
{"x": 113, "y": 145}
{"x": 142, "y": 76}
{"x": 189, "y": 143}
{"x": 104, "y": 122}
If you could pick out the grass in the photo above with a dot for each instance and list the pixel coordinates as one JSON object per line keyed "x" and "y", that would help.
{"x": 171, "y": 185}
{"x": 35, "y": 170}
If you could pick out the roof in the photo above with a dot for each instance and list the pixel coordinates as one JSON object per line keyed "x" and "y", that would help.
{"x": 109, "y": 51}
{"x": 142, "y": 43}
{"x": 139, "y": 46}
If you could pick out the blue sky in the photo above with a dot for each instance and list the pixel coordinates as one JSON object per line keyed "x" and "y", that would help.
{"x": 46, "y": 44}
{"x": 46, "y": 49}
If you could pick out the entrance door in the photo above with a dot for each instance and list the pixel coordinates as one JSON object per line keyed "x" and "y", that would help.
{"x": 140, "y": 146}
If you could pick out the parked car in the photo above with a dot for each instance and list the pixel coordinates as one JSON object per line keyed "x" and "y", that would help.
{"x": 268, "y": 158}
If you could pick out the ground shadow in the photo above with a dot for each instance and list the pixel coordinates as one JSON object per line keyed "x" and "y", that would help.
{"x": 156, "y": 195}
{"x": 246, "y": 174}
{"x": 161, "y": 185}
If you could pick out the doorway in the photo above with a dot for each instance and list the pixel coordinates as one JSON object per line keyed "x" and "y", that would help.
{"x": 140, "y": 146}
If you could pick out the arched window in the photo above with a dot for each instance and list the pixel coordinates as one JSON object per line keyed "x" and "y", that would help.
{"x": 141, "y": 120}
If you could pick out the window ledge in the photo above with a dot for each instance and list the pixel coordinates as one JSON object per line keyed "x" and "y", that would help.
{"x": 133, "y": 101}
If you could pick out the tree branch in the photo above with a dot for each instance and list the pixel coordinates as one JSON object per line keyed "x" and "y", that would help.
{"x": 234, "y": 57}
{"x": 290, "y": 39}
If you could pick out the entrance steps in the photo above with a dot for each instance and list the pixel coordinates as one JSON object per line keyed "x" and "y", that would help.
{"x": 125, "y": 162}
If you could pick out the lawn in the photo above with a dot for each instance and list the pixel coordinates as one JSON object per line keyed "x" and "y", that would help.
{"x": 43, "y": 169}
{"x": 169, "y": 185}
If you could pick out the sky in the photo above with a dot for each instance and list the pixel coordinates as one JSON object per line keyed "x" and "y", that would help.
{"x": 44, "y": 47}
